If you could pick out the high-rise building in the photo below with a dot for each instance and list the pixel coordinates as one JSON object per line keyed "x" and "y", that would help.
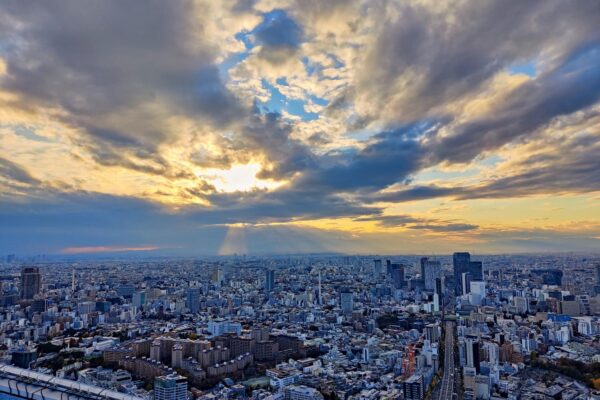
{"x": 347, "y": 301}
{"x": 465, "y": 285}
{"x": 138, "y": 299}
{"x": 170, "y": 387}
{"x": 472, "y": 353}
{"x": 476, "y": 270}
{"x": 413, "y": 388}
{"x": 31, "y": 282}
{"x": 193, "y": 299}
{"x": 397, "y": 275}
{"x": 217, "y": 276}
{"x": 460, "y": 262}
{"x": 377, "y": 268}
{"x": 177, "y": 355}
{"x": 431, "y": 271}
{"x": 269, "y": 280}
{"x": 477, "y": 292}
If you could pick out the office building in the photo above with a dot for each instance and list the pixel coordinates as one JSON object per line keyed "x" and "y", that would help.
{"x": 472, "y": 353}
{"x": 138, "y": 299}
{"x": 193, "y": 299}
{"x": 269, "y": 280}
{"x": 170, "y": 387}
{"x": 431, "y": 270}
{"x": 347, "y": 301}
{"x": 219, "y": 327}
{"x": 413, "y": 388}
{"x": 377, "y": 268}
{"x": 397, "y": 275}
{"x": 477, "y": 292}
{"x": 462, "y": 264}
{"x": 31, "y": 282}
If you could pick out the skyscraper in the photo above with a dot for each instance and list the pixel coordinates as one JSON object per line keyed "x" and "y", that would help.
{"x": 397, "y": 275}
{"x": 460, "y": 262}
{"x": 377, "y": 268}
{"x": 347, "y": 301}
{"x": 269, "y": 280}
{"x": 193, "y": 299}
{"x": 431, "y": 271}
{"x": 476, "y": 270}
{"x": 31, "y": 282}
{"x": 472, "y": 353}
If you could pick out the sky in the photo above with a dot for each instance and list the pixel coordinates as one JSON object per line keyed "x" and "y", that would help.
{"x": 264, "y": 126}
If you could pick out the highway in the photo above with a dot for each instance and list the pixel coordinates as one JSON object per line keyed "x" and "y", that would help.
{"x": 447, "y": 386}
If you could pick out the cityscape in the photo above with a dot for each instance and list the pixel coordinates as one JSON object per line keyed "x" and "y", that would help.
{"x": 303, "y": 327}
{"x": 300, "y": 199}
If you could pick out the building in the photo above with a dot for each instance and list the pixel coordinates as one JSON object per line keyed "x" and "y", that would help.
{"x": 477, "y": 292}
{"x": 219, "y": 327}
{"x": 347, "y": 301}
{"x": 269, "y": 280}
{"x": 193, "y": 299}
{"x": 22, "y": 358}
{"x": 377, "y": 268}
{"x": 31, "y": 282}
{"x": 462, "y": 264}
{"x": 138, "y": 299}
{"x": 431, "y": 270}
{"x": 170, "y": 387}
{"x": 397, "y": 275}
{"x": 473, "y": 357}
{"x": 548, "y": 276}
{"x": 413, "y": 388}
{"x": 217, "y": 276}
{"x": 301, "y": 392}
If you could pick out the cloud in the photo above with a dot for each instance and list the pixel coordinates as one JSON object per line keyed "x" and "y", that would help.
{"x": 565, "y": 164}
{"x": 105, "y": 249}
{"x": 12, "y": 171}
{"x": 446, "y": 228}
{"x": 423, "y": 59}
{"x": 570, "y": 87}
{"x": 143, "y": 111}
{"x": 120, "y": 73}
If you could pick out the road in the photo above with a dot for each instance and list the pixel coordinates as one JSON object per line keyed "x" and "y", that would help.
{"x": 447, "y": 386}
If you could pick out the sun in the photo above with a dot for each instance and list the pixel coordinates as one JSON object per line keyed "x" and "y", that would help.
{"x": 238, "y": 178}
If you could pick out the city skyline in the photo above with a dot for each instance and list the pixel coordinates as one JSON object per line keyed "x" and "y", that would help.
{"x": 272, "y": 127}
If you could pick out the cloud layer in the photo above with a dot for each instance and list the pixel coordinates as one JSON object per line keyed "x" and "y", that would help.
{"x": 350, "y": 118}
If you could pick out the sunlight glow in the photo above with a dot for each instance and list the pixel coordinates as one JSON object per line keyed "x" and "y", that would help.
{"x": 239, "y": 178}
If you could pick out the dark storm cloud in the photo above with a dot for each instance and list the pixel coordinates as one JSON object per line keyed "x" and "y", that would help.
{"x": 570, "y": 87}
{"x": 104, "y": 62}
{"x": 444, "y": 58}
{"x": 57, "y": 220}
{"x": 569, "y": 165}
{"x": 389, "y": 157}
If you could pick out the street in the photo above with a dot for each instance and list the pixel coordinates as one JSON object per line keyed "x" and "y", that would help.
{"x": 447, "y": 385}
